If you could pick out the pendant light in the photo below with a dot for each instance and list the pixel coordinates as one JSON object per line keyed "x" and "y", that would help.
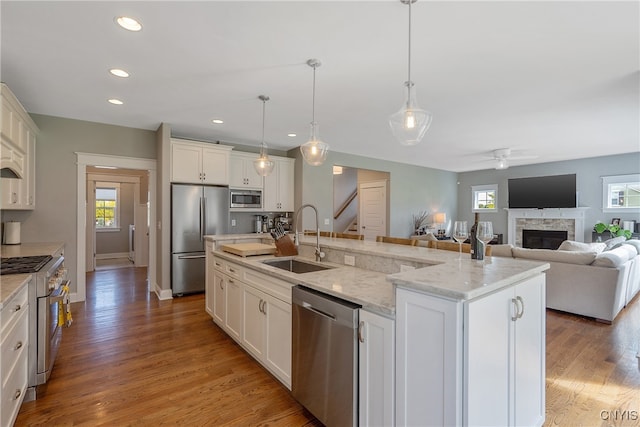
{"x": 314, "y": 151}
{"x": 410, "y": 123}
{"x": 263, "y": 164}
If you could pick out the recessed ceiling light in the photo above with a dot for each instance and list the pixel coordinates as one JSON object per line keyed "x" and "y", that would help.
{"x": 115, "y": 101}
{"x": 128, "y": 23}
{"x": 118, "y": 72}
{"x": 291, "y": 135}
{"x": 217, "y": 121}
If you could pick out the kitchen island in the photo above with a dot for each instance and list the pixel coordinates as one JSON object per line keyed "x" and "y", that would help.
{"x": 451, "y": 322}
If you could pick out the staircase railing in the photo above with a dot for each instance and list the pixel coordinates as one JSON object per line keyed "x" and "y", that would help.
{"x": 346, "y": 204}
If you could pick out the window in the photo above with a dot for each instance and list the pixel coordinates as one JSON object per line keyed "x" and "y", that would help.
{"x": 485, "y": 198}
{"x": 107, "y": 205}
{"x": 620, "y": 193}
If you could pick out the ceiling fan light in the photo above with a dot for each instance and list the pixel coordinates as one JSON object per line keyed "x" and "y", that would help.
{"x": 502, "y": 164}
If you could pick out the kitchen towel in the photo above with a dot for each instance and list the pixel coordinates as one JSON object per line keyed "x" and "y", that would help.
{"x": 11, "y": 234}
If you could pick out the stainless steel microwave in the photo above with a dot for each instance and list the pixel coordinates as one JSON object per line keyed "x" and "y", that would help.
{"x": 246, "y": 199}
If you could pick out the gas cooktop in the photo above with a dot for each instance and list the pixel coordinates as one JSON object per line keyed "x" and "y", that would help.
{"x": 25, "y": 264}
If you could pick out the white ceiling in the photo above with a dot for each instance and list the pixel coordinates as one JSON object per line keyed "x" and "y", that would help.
{"x": 550, "y": 80}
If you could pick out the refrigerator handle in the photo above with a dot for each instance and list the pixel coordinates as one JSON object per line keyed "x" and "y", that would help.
{"x": 202, "y": 217}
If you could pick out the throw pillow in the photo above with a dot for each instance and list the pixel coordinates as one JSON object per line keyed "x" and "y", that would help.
{"x": 571, "y": 245}
{"x": 613, "y": 242}
{"x": 575, "y": 257}
{"x": 613, "y": 258}
{"x": 635, "y": 243}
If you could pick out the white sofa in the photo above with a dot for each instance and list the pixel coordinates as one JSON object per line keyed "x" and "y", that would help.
{"x": 595, "y": 280}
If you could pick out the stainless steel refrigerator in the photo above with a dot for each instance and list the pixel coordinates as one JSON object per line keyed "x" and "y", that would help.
{"x": 196, "y": 210}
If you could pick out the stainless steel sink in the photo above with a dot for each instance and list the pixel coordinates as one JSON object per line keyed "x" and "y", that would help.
{"x": 295, "y": 265}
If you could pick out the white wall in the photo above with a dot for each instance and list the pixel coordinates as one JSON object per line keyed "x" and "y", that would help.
{"x": 54, "y": 218}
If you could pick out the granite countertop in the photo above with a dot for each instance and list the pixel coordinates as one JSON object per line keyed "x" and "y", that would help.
{"x": 10, "y": 285}
{"x": 31, "y": 249}
{"x": 442, "y": 273}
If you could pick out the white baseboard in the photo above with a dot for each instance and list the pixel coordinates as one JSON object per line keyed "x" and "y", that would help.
{"x": 163, "y": 294}
{"x": 116, "y": 255}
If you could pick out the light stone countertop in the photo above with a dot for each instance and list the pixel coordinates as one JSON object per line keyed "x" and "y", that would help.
{"x": 31, "y": 249}
{"x": 438, "y": 272}
{"x": 10, "y": 285}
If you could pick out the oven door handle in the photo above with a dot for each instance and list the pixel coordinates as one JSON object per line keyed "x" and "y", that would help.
{"x": 60, "y": 294}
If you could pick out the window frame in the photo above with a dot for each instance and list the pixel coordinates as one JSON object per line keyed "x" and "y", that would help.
{"x": 116, "y": 213}
{"x": 617, "y": 179}
{"x": 484, "y": 188}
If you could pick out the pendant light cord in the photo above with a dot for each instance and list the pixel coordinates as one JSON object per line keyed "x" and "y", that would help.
{"x": 409, "y": 82}
{"x": 313, "y": 98}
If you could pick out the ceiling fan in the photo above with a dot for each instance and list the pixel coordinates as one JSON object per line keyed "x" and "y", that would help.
{"x": 502, "y": 156}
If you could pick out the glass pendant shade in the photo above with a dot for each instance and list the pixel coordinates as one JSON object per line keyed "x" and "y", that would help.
{"x": 411, "y": 122}
{"x": 502, "y": 164}
{"x": 263, "y": 164}
{"x": 314, "y": 151}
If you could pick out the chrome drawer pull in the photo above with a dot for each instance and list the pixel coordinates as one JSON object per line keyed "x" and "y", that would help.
{"x": 17, "y": 395}
{"x": 18, "y": 346}
{"x": 18, "y": 307}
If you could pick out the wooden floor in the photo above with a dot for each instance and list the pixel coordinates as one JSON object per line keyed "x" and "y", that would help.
{"x": 129, "y": 359}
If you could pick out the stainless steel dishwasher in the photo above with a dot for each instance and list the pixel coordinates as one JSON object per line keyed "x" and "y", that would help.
{"x": 324, "y": 377}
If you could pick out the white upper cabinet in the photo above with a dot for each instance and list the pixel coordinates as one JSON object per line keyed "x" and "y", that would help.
{"x": 242, "y": 174}
{"x": 199, "y": 162}
{"x": 278, "y": 186}
{"x": 18, "y": 153}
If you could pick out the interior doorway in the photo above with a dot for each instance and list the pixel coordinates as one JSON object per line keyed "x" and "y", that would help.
{"x": 88, "y": 160}
{"x": 118, "y": 227}
{"x": 348, "y": 202}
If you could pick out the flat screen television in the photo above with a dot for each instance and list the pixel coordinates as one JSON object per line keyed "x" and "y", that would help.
{"x": 556, "y": 191}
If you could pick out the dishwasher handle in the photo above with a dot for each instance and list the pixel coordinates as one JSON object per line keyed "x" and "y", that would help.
{"x": 318, "y": 311}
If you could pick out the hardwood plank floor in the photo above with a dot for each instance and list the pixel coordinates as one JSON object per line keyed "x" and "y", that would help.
{"x": 131, "y": 360}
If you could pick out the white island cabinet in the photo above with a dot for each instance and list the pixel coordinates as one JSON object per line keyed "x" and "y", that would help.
{"x": 471, "y": 362}
{"x": 376, "y": 336}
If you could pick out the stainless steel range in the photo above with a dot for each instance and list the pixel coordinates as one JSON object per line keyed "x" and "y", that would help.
{"x": 47, "y": 295}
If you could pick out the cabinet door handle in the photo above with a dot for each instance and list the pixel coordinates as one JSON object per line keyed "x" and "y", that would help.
{"x": 18, "y": 307}
{"x": 518, "y": 305}
{"x": 515, "y": 309}
{"x": 18, "y": 345}
{"x": 360, "y": 331}
{"x": 17, "y": 395}
{"x": 221, "y": 287}
{"x": 518, "y": 298}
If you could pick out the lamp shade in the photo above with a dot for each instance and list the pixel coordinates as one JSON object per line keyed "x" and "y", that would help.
{"x": 411, "y": 122}
{"x": 263, "y": 165}
{"x": 314, "y": 151}
{"x": 440, "y": 217}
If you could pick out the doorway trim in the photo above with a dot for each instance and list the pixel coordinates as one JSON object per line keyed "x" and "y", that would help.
{"x": 92, "y": 159}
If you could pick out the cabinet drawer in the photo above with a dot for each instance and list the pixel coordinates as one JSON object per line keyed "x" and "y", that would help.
{"x": 219, "y": 265}
{"x": 13, "y": 309}
{"x": 234, "y": 270}
{"x": 14, "y": 346}
{"x": 13, "y": 391}
{"x": 274, "y": 287}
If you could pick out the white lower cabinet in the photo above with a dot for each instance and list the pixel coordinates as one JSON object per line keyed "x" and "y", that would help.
{"x": 476, "y": 362}
{"x": 376, "y": 335}
{"x": 14, "y": 343}
{"x": 255, "y": 310}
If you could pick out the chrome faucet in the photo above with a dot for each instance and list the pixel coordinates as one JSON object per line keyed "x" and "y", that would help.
{"x": 319, "y": 253}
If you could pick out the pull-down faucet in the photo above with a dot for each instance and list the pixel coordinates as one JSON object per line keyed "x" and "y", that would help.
{"x": 319, "y": 254}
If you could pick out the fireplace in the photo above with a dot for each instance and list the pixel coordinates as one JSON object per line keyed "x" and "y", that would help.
{"x": 543, "y": 239}
{"x": 570, "y": 220}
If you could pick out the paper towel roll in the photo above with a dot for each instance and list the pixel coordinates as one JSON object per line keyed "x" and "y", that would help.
{"x": 11, "y": 233}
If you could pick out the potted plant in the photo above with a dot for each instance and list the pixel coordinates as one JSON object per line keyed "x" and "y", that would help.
{"x": 613, "y": 229}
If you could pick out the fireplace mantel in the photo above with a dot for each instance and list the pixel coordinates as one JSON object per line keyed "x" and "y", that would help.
{"x": 576, "y": 215}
